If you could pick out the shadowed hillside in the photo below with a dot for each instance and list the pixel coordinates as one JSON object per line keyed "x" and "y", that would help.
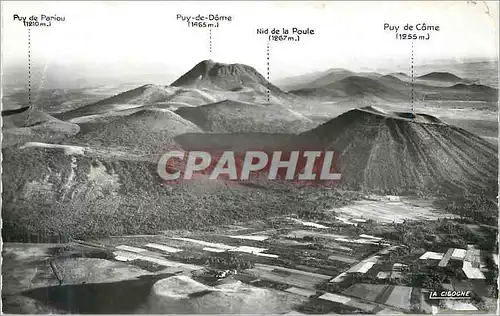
{"x": 234, "y": 116}
{"x": 407, "y": 153}
{"x": 143, "y": 95}
{"x": 28, "y": 124}
{"x": 383, "y": 152}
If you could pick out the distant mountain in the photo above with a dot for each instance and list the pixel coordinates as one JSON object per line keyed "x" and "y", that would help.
{"x": 300, "y": 81}
{"x": 205, "y": 83}
{"x": 228, "y": 77}
{"x": 405, "y": 153}
{"x": 353, "y": 86}
{"x": 396, "y": 87}
{"x": 439, "y": 80}
{"x": 401, "y": 76}
{"x": 53, "y": 100}
{"x": 435, "y": 79}
{"x": 482, "y": 72}
{"x": 321, "y": 79}
{"x": 475, "y": 88}
{"x": 485, "y": 72}
{"x": 234, "y": 116}
{"x": 468, "y": 92}
{"x": 441, "y": 76}
{"x": 328, "y": 77}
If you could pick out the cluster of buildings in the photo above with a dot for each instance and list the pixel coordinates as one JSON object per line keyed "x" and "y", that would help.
{"x": 473, "y": 264}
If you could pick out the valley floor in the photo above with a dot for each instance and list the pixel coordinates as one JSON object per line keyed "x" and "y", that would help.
{"x": 347, "y": 263}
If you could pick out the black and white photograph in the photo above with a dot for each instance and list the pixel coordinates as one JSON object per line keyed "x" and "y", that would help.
{"x": 252, "y": 157}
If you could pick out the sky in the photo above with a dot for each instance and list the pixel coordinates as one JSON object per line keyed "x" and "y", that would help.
{"x": 141, "y": 38}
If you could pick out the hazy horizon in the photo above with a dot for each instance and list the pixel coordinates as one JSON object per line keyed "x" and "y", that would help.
{"x": 127, "y": 41}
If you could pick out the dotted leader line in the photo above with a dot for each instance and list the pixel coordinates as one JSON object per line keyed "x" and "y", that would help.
{"x": 268, "y": 73}
{"x": 30, "y": 103}
{"x": 29, "y": 67}
{"x": 210, "y": 37}
{"x": 412, "y": 76}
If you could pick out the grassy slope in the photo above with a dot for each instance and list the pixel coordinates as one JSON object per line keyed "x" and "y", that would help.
{"x": 145, "y": 131}
{"x": 86, "y": 197}
{"x": 20, "y": 127}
